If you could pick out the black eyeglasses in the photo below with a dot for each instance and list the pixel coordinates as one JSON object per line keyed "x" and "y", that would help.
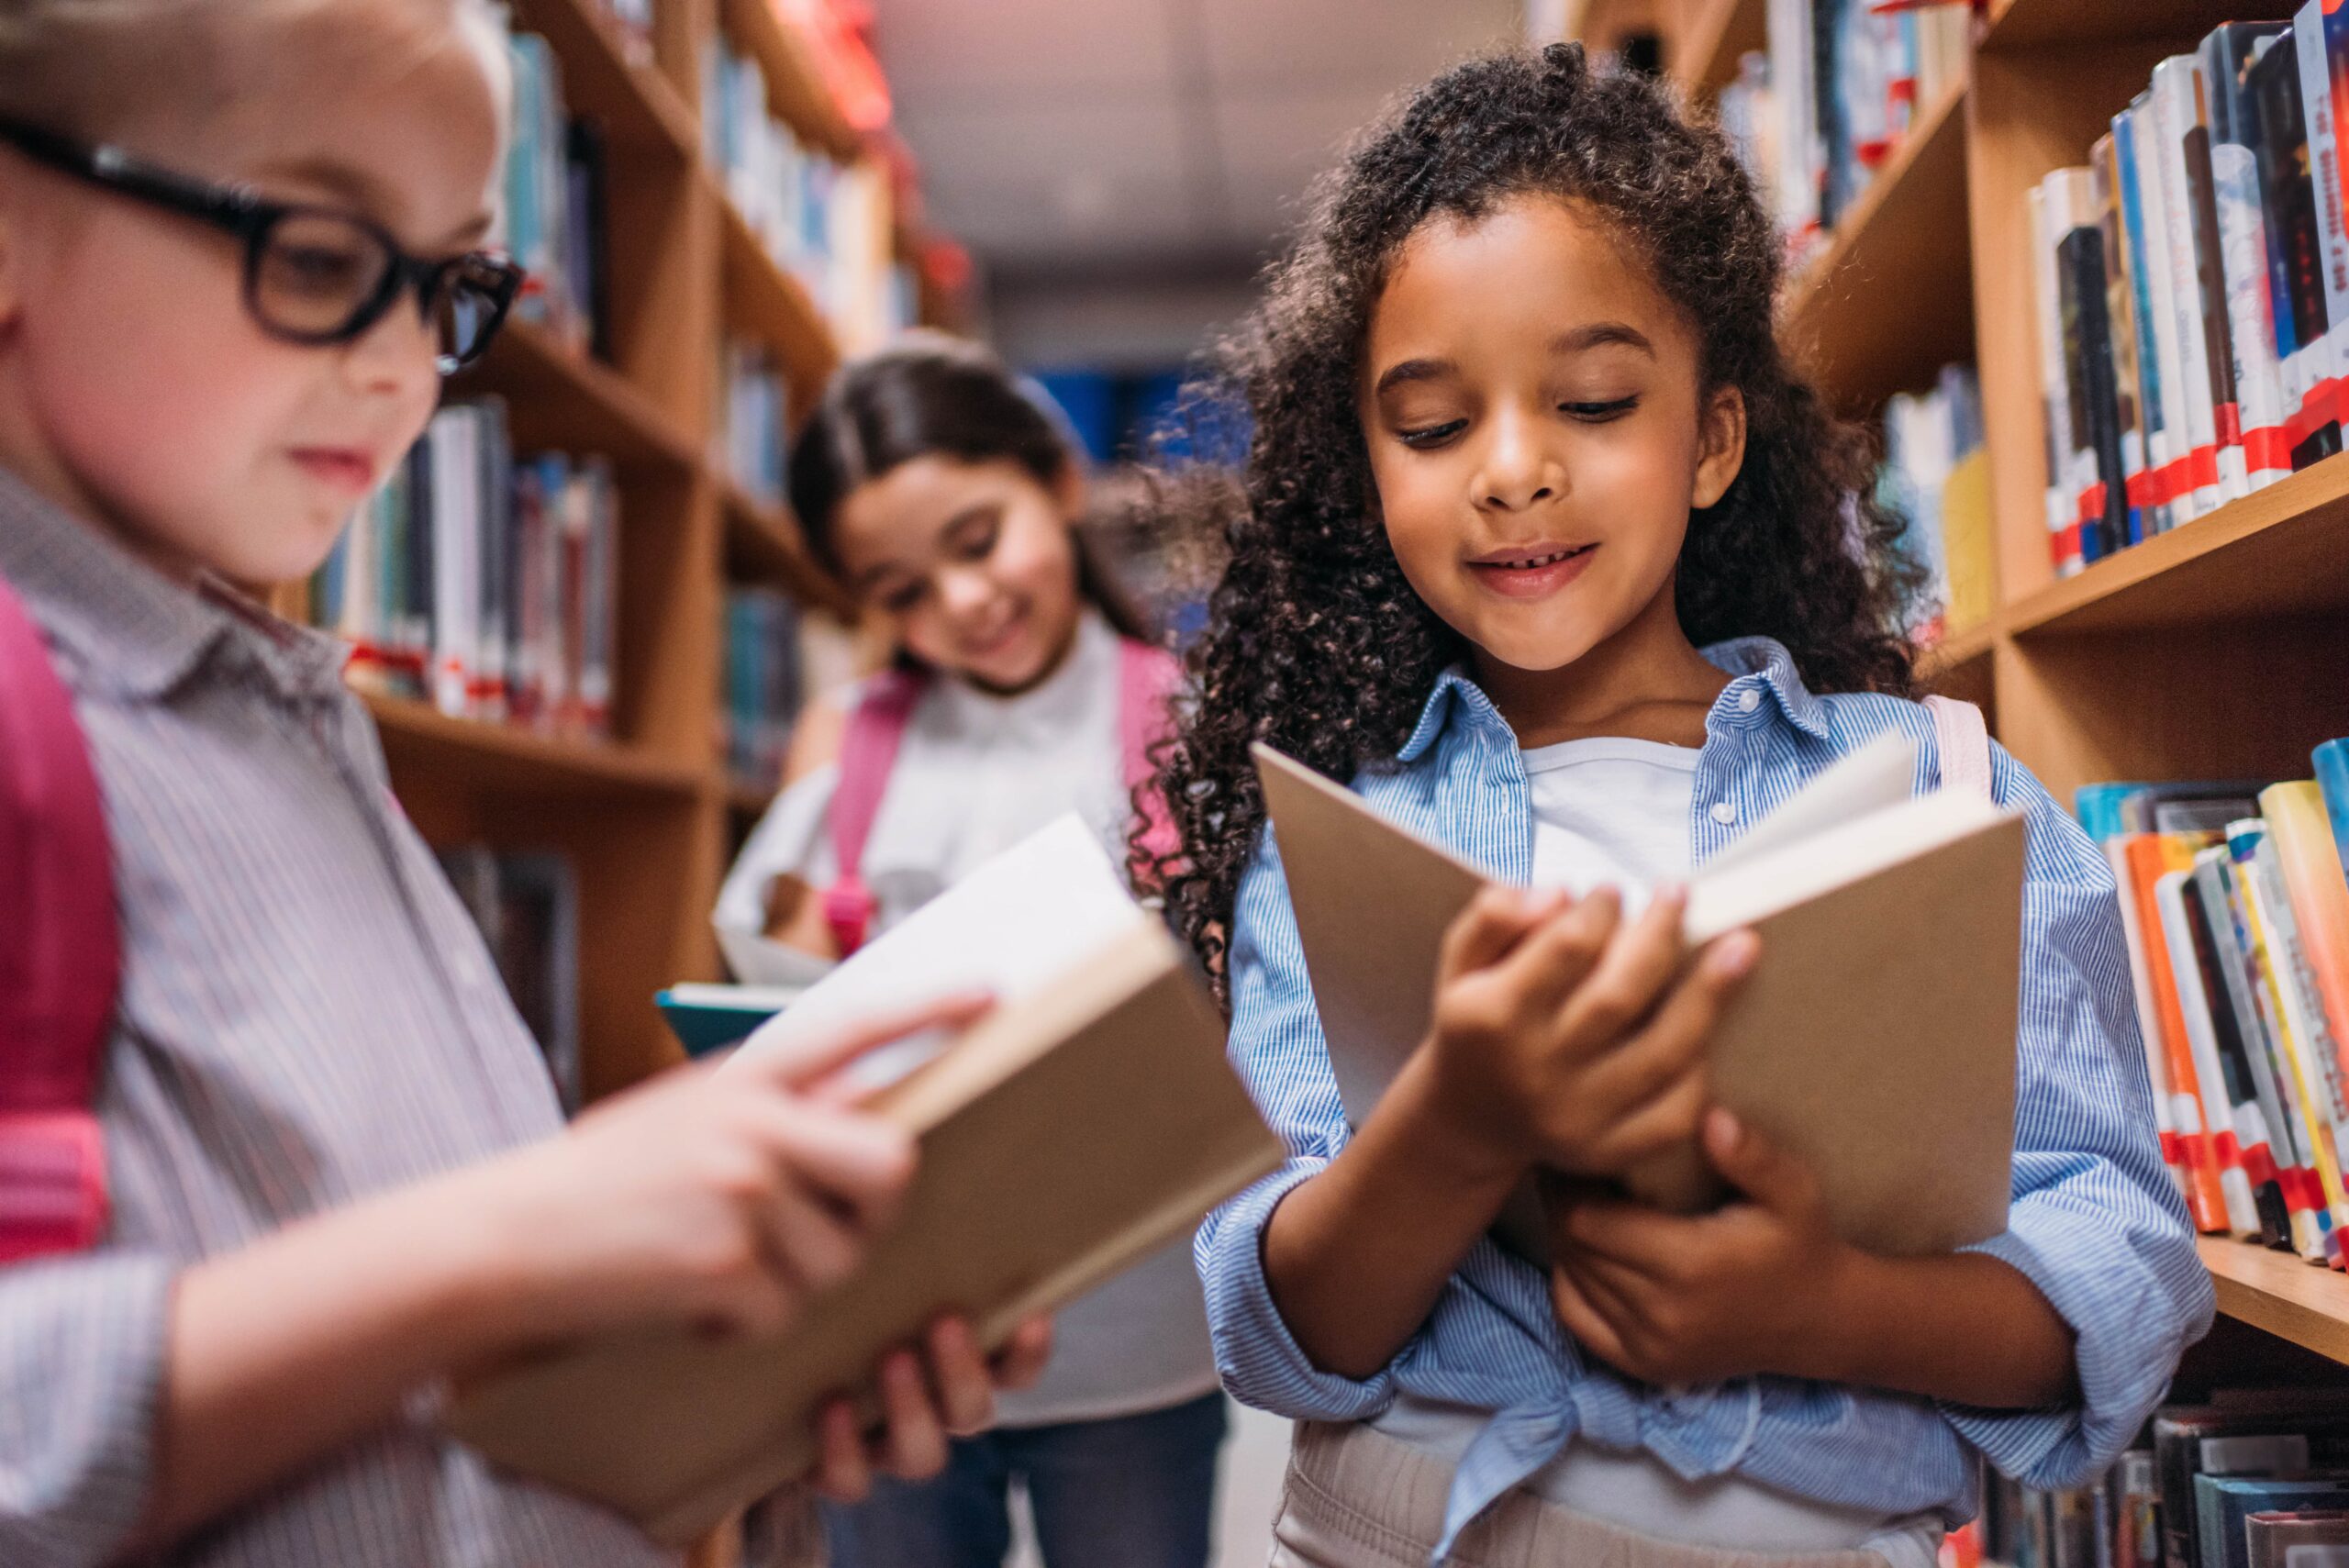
{"x": 313, "y": 274}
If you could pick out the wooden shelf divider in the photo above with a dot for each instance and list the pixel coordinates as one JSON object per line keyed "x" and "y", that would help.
{"x": 794, "y": 83}
{"x": 507, "y": 758}
{"x": 1716, "y": 35}
{"x": 2289, "y": 1299}
{"x": 635, "y": 104}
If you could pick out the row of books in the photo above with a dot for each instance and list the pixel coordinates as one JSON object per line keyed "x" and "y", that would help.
{"x": 2193, "y": 287}
{"x": 527, "y": 906}
{"x": 765, "y": 689}
{"x": 829, "y": 224}
{"x": 634, "y": 18}
{"x": 2234, "y": 899}
{"x": 480, "y": 581}
{"x": 2255, "y": 1478}
{"x": 552, "y": 218}
{"x": 1834, "y": 98}
{"x": 1936, "y": 475}
{"x": 754, "y": 430}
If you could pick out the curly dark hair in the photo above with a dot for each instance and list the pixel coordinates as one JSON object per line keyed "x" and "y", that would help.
{"x": 1316, "y": 643}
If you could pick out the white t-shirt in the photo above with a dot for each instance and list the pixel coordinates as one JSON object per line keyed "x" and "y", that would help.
{"x": 975, "y": 775}
{"x": 1611, "y": 812}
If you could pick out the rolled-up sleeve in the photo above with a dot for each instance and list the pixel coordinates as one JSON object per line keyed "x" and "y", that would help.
{"x": 1279, "y": 1052}
{"x": 81, "y": 1357}
{"x": 2096, "y": 1223}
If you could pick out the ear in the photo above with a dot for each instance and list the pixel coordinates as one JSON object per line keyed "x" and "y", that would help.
{"x": 1720, "y": 446}
{"x": 12, "y": 256}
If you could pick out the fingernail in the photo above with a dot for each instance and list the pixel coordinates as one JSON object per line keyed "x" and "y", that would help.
{"x": 1672, "y": 892}
{"x": 1735, "y": 953}
{"x": 1727, "y": 1129}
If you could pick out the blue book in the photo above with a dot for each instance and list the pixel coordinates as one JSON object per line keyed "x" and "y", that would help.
{"x": 2098, "y": 805}
{"x": 2221, "y": 1503}
{"x": 2332, "y": 761}
{"x": 706, "y": 1018}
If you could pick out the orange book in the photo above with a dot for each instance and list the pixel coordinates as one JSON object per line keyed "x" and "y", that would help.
{"x": 2149, "y": 856}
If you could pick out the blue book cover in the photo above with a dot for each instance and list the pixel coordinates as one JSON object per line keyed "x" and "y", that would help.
{"x": 2332, "y": 761}
{"x": 2098, "y": 805}
{"x": 706, "y": 1018}
{"x": 2221, "y": 1503}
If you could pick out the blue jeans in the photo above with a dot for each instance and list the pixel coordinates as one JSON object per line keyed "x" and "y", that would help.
{"x": 1135, "y": 1492}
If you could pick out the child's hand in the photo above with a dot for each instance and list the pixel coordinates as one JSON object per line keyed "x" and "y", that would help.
{"x": 920, "y": 1413}
{"x": 1564, "y": 1038}
{"x": 1692, "y": 1299}
{"x": 717, "y": 1202}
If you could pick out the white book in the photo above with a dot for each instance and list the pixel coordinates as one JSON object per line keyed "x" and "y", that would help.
{"x": 2216, "y": 1111}
{"x": 2173, "y": 113}
{"x": 2329, "y": 358}
{"x": 2177, "y": 445}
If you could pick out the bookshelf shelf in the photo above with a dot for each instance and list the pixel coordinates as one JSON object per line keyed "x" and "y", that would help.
{"x": 766, "y": 541}
{"x": 2290, "y": 1299}
{"x": 766, "y": 301}
{"x": 748, "y": 801}
{"x": 560, "y": 397}
{"x": 2029, "y": 24}
{"x": 2280, "y": 552}
{"x": 505, "y": 758}
{"x": 601, "y": 78}
{"x": 1891, "y": 299}
{"x": 1717, "y": 35}
{"x": 794, "y": 83}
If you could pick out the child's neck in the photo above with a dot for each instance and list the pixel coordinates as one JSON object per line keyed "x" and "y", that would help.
{"x": 1647, "y": 681}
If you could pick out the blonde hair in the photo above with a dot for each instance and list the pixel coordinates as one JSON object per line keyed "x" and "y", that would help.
{"x": 88, "y": 67}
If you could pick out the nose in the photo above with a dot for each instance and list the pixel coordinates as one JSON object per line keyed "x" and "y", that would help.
{"x": 1516, "y": 468}
{"x": 965, "y": 591}
{"x": 398, "y": 357}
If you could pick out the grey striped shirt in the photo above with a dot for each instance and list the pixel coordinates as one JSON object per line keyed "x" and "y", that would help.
{"x": 307, "y": 1017}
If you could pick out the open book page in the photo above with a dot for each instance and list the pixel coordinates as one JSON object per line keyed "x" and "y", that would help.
{"x": 766, "y": 963}
{"x": 1877, "y": 775}
{"x": 1023, "y": 919}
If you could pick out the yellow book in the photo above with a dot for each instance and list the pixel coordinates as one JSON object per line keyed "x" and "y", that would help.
{"x": 1967, "y": 544}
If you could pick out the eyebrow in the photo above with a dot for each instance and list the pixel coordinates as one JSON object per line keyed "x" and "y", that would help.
{"x": 370, "y": 195}
{"x": 1580, "y": 340}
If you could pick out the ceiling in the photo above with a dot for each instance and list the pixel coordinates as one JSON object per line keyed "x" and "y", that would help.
{"x": 1128, "y": 138}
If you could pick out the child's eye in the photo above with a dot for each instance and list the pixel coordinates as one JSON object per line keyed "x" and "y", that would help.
{"x": 901, "y": 600}
{"x": 1599, "y": 413}
{"x": 981, "y": 545}
{"x": 1431, "y": 436}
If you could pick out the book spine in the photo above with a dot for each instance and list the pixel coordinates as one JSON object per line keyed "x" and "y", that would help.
{"x": 2314, "y": 312}
{"x": 2067, "y": 549}
{"x": 2211, "y": 284}
{"x": 2241, "y": 1211}
{"x": 2330, "y": 764}
{"x": 2313, "y": 888}
{"x": 2311, "y": 28}
{"x": 2249, "y": 1104}
{"x": 2215, "y": 894}
{"x": 2173, "y": 112}
{"x": 2308, "y": 1039}
{"x": 2305, "y": 1189}
{"x": 2121, "y": 312}
{"x": 2146, "y": 857}
{"x": 2174, "y": 485}
{"x": 2101, "y": 489}
{"x": 2151, "y": 501}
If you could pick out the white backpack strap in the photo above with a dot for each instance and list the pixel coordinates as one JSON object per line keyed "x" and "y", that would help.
{"x": 1964, "y": 742}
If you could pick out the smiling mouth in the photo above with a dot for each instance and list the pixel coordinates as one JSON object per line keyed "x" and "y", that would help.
{"x": 1535, "y": 562}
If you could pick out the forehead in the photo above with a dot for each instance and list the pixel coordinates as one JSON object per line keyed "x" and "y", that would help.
{"x": 1528, "y": 269}
{"x": 903, "y": 511}
{"x": 395, "y": 104}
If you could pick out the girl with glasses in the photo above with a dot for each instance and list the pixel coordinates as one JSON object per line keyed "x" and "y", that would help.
{"x": 239, "y": 245}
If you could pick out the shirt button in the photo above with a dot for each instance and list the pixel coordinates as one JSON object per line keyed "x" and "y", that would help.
{"x": 1725, "y": 812}
{"x": 1748, "y": 700}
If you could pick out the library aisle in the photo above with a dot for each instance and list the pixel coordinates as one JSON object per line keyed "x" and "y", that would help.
{"x": 2080, "y": 266}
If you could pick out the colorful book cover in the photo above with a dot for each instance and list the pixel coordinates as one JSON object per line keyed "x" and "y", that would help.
{"x": 2291, "y": 1139}
{"x": 2306, "y": 1025}
{"x": 2174, "y": 118}
{"x": 2330, "y": 762}
{"x": 2227, "y": 57}
{"x": 2210, "y": 282}
{"x": 2251, "y": 1100}
{"x": 2175, "y": 483}
{"x": 2313, "y": 878}
{"x": 2104, "y": 160}
{"x": 2148, "y": 856}
{"x": 2221, "y": 1503}
{"x": 2100, "y": 478}
{"x": 2183, "y": 973}
{"x": 2311, "y": 1106}
{"x": 2063, "y": 517}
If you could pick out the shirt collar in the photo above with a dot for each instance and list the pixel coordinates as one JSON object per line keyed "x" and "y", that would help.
{"x": 128, "y": 627}
{"x": 1761, "y": 659}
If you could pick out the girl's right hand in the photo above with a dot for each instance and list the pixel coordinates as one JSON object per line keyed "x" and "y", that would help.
{"x": 717, "y": 1202}
{"x": 1564, "y": 1038}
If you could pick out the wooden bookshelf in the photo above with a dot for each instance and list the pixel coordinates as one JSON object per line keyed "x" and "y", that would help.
{"x": 1890, "y": 301}
{"x": 2220, "y": 648}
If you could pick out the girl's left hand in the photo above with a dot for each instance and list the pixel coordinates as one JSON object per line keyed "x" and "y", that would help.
{"x": 1676, "y": 1299}
{"x": 944, "y": 1392}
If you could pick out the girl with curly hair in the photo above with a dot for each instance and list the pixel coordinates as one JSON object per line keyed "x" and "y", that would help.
{"x": 1545, "y": 550}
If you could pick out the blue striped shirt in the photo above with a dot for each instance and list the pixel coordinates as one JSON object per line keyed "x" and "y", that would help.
{"x": 2096, "y": 1223}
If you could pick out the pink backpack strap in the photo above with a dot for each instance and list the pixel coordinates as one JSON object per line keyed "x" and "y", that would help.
{"x": 60, "y": 957}
{"x": 868, "y": 754}
{"x": 1964, "y": 743}
{"x": 1147, "y": 678}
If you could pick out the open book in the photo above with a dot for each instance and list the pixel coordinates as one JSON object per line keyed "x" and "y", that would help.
{"x": 1086, "y": 1122}
{"x": 1875, "y": 1040}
